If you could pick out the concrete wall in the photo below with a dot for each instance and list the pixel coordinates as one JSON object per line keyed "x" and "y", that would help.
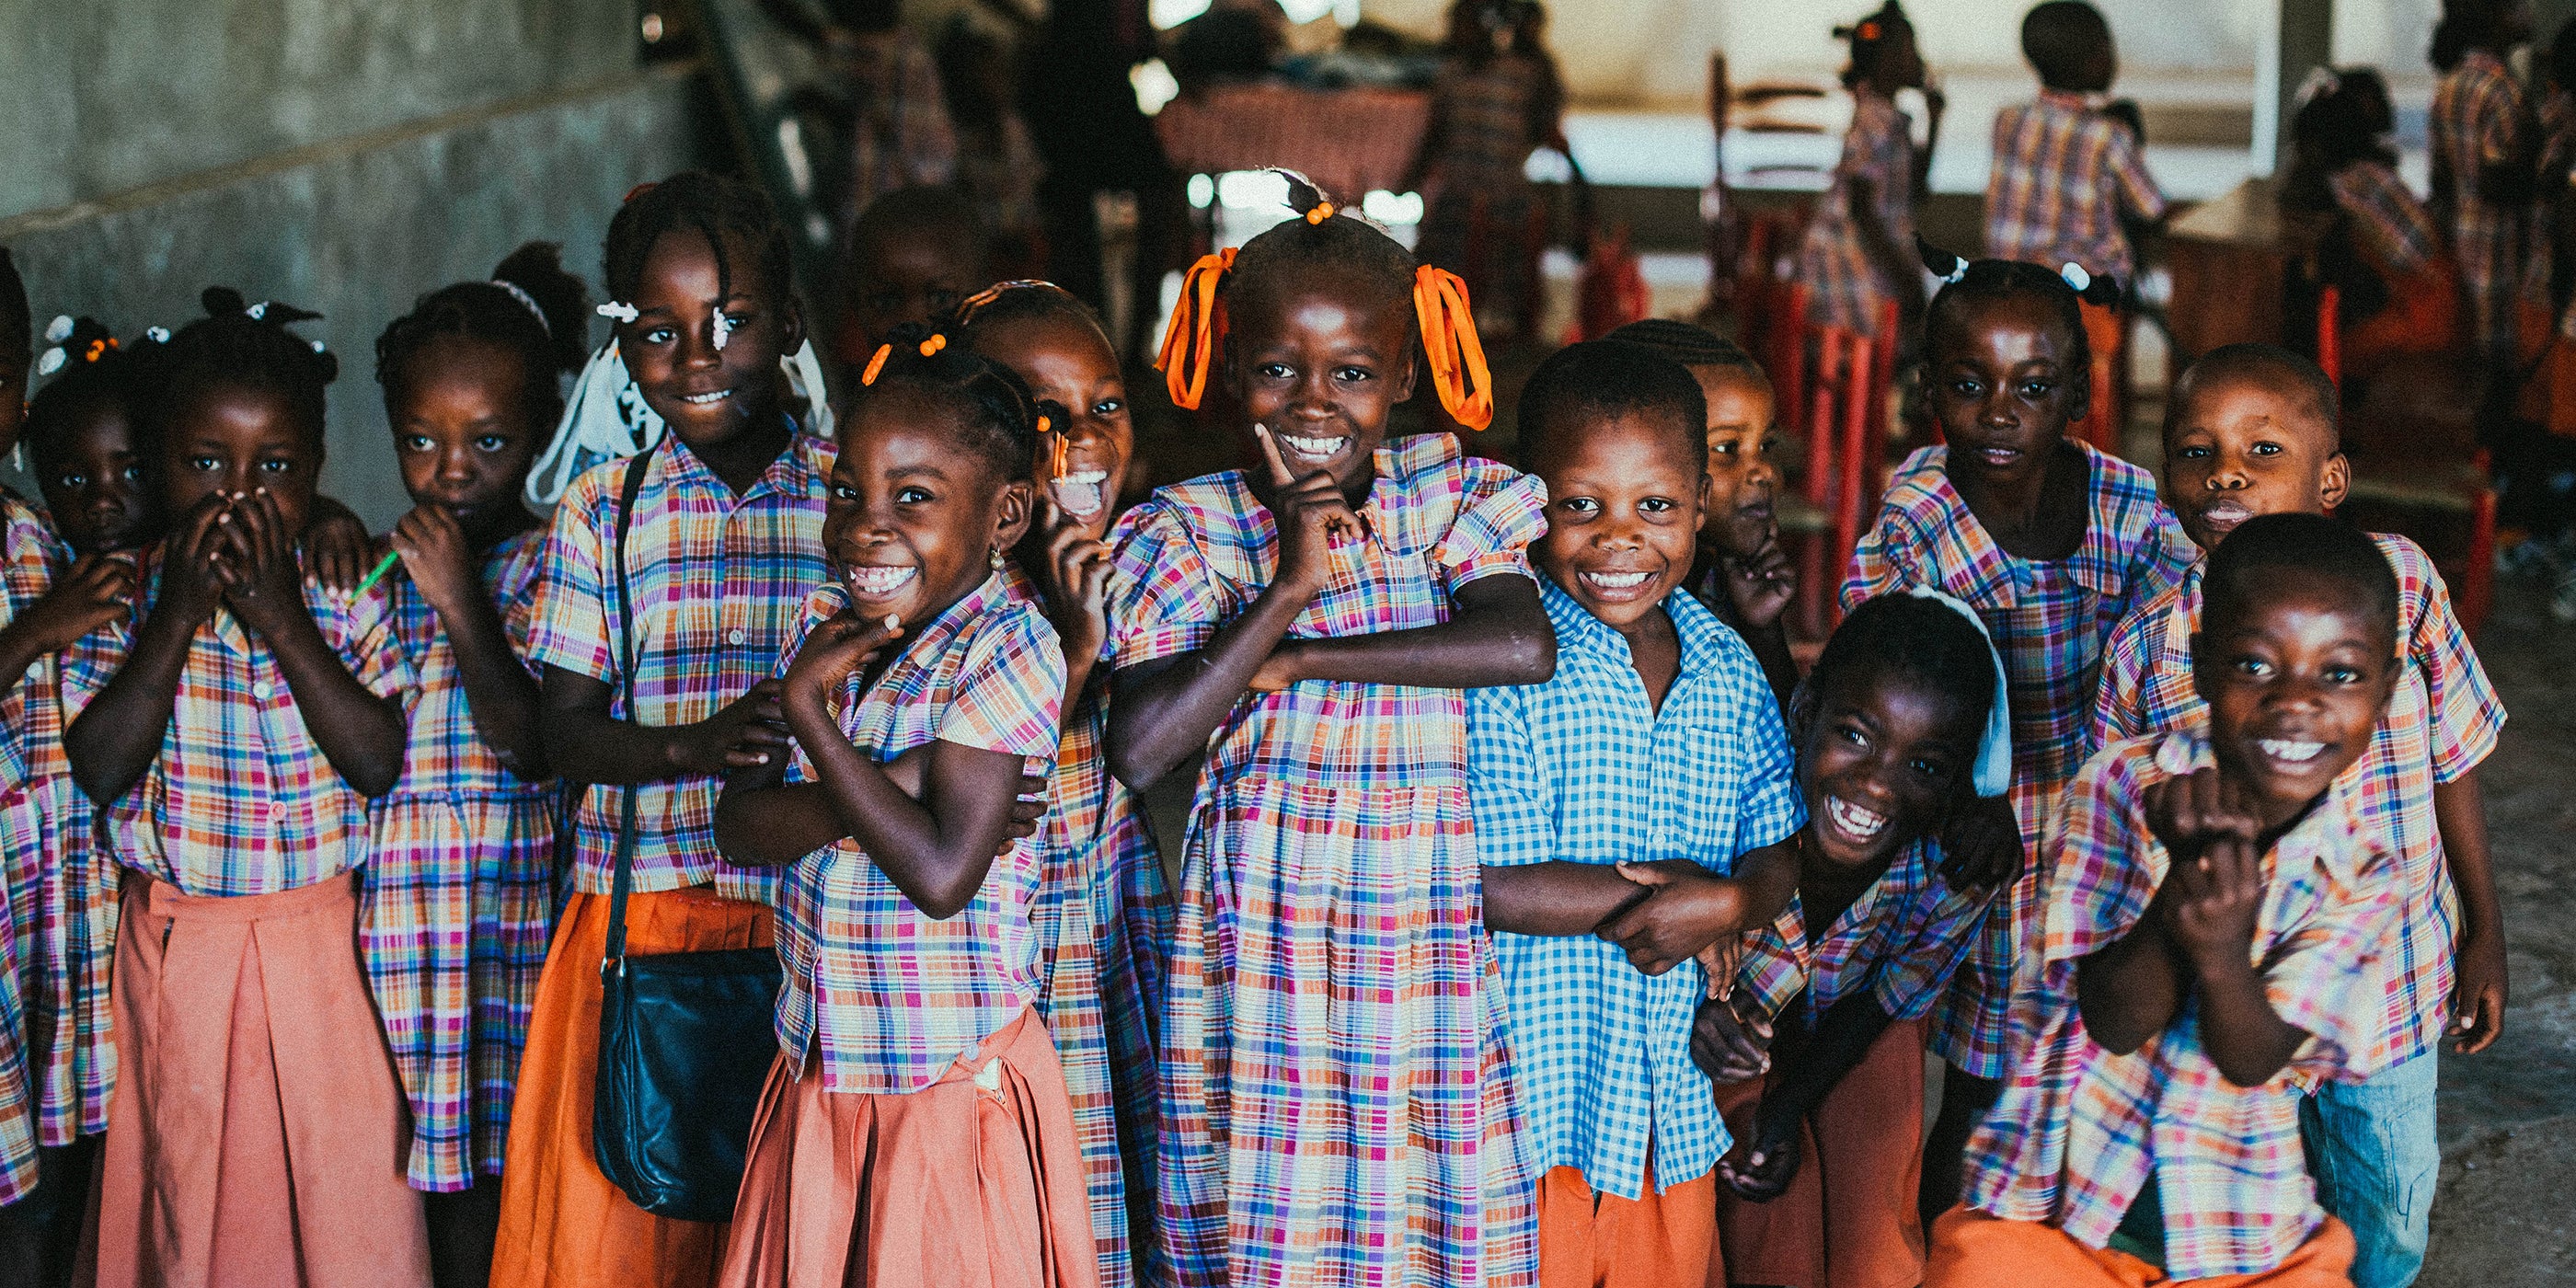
{"x": 343, "y": 155}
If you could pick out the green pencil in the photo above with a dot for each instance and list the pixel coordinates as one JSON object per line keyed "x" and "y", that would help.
{"x": 383, "y": 566}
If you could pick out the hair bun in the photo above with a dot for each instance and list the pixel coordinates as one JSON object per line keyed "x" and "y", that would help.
{"x": 222, "y": 301}
{"x": 1940, "y": 263}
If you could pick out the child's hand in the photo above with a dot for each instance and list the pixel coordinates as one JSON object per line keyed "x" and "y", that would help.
{"x": 1769, "y": 1158}
{"x": 2477, "y": 997}
{"x": 906, "y": 773}
{"x": 2209, "y": 902}
{"x": 1761, "y": 584}
{"x": 834, "y": 649}
{"x": 342, "y": 552}
{"x": 2189, "y": 812}
{"x": 750, "y": 731}
{"x": 1981, "y": 845}
{"x": 95, "y": 590}
{"x": 1687, "y": 910}
{"x": 1074, "y": 578}
{"x": 437, "y": 558}
{"x": 268, "y": 590}
{"x": 1280, "y": 669}
{"x": 1312, "y": 518}
{"x": 1728, "y": 1045}
{"x": 199, "y": 567}
{"x": 1719, "y": 961}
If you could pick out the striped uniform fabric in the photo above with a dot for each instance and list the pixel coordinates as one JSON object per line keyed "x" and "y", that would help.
{"x": 2079, "y": 1130}
{"x": 2391, "y": 223}
{"x": 2443, "y": 719}
{"x": 1581, "y": 769}
{"x": 1834, "y": 261}
{"x": 1103, "y": 920}
{"x": 884, "y": 995}
{"x": 29, "y": 561}
{"x": 2476, "y": 122}
{"x": 457, "y": 904}
{"x": 1901, "y": 941}
{"x": 2050, "y": 620}
{"x": 241, "y": 799}
{"x": 1337, "y": 1095}
{"x": 2063, "y": 174}
{"x": 715, "y": 579}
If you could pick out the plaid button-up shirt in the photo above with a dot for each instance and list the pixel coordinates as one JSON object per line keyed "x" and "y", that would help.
{"x": 2476, "y": 122}
{"x": 1901, "y": 940}
{"x": 2396, "y": 228}
{"x": 2063, "y": 173}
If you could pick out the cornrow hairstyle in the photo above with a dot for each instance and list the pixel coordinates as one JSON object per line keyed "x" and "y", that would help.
{"x": 1965, "y": 281}
{"x": 1327, "y": 238}
{"x": 96, "y": 370}
{"x": 1018, "y": 301}
{"x": 531, "y": 307}
{"x": 1001, "y": 419}
{"x": 2270, "y": 553}
{"x": 1581, "y": 385}
{"x": 245, "y": 346}
{"x": 713, "y": 206}
{"x": 1916, "y": 637}
{"x": 1868, "y": 37}
{"x": 1691, "y": 346}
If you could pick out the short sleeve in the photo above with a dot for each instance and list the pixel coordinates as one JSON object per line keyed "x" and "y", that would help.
{"x": 2106, "y": 863}
{"x": 1777, "y": 960}
{"x": 1919, "y": 972}
{"x": 1163, "y": 599}
{"x": 2126, "y": 164}
{"x": 2496, "y": 119}
{"x": 362, "y": 632}
{"x": 1773, "y": 808}
{"x": 2467, "y": 716}
{"x": 1010, "y": 688}
{"x": 568, "y": 611}
{"x": 2119, "y": 703}
{"x": 514, "y": 596}
{"x": 2319, "y": 979}
{"x": 1492, "y": 532}
{"x": 1509, "y": 797}
{"x": 1887, "y": 558}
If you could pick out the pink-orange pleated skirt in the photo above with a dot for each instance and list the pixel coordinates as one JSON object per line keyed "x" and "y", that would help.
{"x": 975, "y": 1181}
{"x": 257, "y": 1133}
{"x": 1973, "y": 1250}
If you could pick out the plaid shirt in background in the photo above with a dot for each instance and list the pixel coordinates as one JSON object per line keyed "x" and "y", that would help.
{"x": 1834, "y": 260}
{"x": 2050, "y": 620}
{"x": 241, "y": 799}
{"x": 1902, "y": 940}
{"x": 2079, "y": 1130}
{"x": 1581, "y": 769}
{"x": 2387, "y": 218}
{"x": 2443, "y": 718}
{"x": 2063, "y": 173}
{"x": 457, "y": 904}
{"x": 885, "y": 996}
{"x": 715, "y": 579}
{"x": 27, "y": 565}
{"x": 2476, "y": 123}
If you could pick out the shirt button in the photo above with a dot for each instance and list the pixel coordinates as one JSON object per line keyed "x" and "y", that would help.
{"x": 261, "y": 689}
{"x": 736, "y": 636}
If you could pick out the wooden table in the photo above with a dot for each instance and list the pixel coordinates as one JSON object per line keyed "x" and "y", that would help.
{"x": 2229, "y": 259}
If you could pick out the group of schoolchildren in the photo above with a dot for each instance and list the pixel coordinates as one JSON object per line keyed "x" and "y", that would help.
{"x": 1536, "y": 922}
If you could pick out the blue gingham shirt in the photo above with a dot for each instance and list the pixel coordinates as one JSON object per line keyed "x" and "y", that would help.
{"x": 1582, "y": 769}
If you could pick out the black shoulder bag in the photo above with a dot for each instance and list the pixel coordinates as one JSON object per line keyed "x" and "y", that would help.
{"x": 685, "y": 1039}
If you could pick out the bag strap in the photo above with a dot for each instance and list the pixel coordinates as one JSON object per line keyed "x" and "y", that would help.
{"x": 624, "y": 879}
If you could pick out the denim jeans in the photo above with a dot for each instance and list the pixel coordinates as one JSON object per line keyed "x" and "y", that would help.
{"x": 2373, "y": 1150}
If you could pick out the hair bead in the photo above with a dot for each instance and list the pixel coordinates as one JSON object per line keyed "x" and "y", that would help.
{"x": 876, "y": 365}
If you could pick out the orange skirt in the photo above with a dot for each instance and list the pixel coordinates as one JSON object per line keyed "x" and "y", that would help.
{"x": 258, "y": 1134}
{"x": 975, "y": 1181}
{"x": 1588, "y": 1240}
{"x": 563, "y": 1225}
{"x": 1848, "y": 1218}
{"x": 1973, "y": 1250}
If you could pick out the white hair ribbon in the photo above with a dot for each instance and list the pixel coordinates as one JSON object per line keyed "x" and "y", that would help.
{"x": 607, "y": 419}
{"x": 619, "y": 310}
{"x": 2075, "y": 276}
{"x": 1994, "y": 771}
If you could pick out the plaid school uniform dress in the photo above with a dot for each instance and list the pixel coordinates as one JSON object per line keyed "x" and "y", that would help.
{"x": 2443, "y": 719}
{"x": 713, "y": 580}
{"x": 2063, "y": 173}
{"x": 1103, "y": 921}
{"x": 2386, "y": 216}
{"x": 2476, "y": 121}
{"x": 458, "y": 901}
{"x": 886, "y": 997}
{"x": 2079, "y": 1131}
{"x": 1581, "y": 769}
{"x": 1337, "y": 1096}
{"x": 2050, "y": 621}
{"x": 31, "y": 863}
{"x": 1833, "y": 260}
{"x": 1902, "y": 940}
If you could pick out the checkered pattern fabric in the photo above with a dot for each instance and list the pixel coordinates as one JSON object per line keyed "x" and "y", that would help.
{"x": 2476, "y": 122}
{"x": 2050, "y": 621}
{"x": 1337, "y": 1096}
{"x": 2079, "y": 1130}
{"x": 1582, "y": 769}
{"x": 29, "y": 560}
{"x": 2063, "y": 175}
{"x": 2385, "y": 215}
{"x": 1834, "y": 261}
{"x": 1901, "y": 940}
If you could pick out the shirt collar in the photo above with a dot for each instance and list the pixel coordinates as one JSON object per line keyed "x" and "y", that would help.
{"x": 1576, "y": 627}
{"x": 799, "y": 469}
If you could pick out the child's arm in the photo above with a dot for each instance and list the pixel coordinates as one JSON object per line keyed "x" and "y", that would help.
{"x": 115, "y": 738}
{"x": 1557, "y": 897}
{"x": 335, "y": 540}
{"x": 1758, "y": 590}
{"x": 764, "y": 821}
{"x": 1498, "y": 635}
{"x": 2129, "y": 991}
{"x": 1841, "y": 1041}
{"x": 1073, "y": 579}
{"x": 96, "y": 590}
{"x": 2211, "y": 922}
{"x": 2478, "y": 995}
{"x": 359, "y": 733}
{"x": 1688, "y": 907}
{"x": 588, "y": 745}
{"x": 499, "y": 692}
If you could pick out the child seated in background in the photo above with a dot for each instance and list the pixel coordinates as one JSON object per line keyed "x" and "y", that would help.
{"x": 2215, "y": 905}
{"x": 2251, "y": 431}
{"x": 2399, "y": 286}
{"x": 1631, "y": 811}
{"x": 914, "y": 255}
{"x": 1903, "y": 719}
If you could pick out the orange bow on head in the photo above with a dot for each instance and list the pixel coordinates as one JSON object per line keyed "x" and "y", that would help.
{"x": 1189, "y": 343}
{"x": 1458, "y": 371}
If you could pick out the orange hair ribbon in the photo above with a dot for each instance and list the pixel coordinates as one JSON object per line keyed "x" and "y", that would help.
{"x": 1458, "y": 371}
{"x": 876, "y": 365}
{"x": 1189, "y": 343}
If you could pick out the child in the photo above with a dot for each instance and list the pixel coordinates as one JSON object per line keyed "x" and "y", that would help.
{"x": 916, "y": 1127}
{"x": 1307, "y": 624}
{"x": 723, "y": 530}
{"x": 1901, "y": 723}
{"x": 1630, "y": 812}
{"x": 2052, "y": 543}
{"x": 1859, "y": 250}
{"x": 459, "y": 896}
{"x": 2481, "y": 160}
{"x": 1104, "y": 908}
{"x": 2252, "y": 432}
{"x": 2399, "y": 286}
{"x": 914, "y": 255}
{"x": 1497, "y": 99}
{"x": 28, "y": 562}
{"x": 1742, "y": 574}
{"x": 2214, "y": 906}
{"x": 234, "y": 738}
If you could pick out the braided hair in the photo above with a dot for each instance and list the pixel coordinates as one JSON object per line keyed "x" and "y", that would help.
{"x": 1913, "y": 636}
{"x": 1021, "y": 301}
{"x": 716, "y": 208}
{"x": 1000, "y": 420}
{"x": 245, "y": 346}
{"x": 97, "y": 370}
{"x": 1966, "y": 282}
{"x": 1691, "y": 346}
{"x": 531, "y": 308}
{"x": 1323, "y": 236}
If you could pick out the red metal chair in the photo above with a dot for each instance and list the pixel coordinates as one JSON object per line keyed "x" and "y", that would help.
{"x": 1845, "y": 433}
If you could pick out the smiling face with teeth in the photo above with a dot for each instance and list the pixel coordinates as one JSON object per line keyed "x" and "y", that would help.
{"x": 2238, "y": 444}
{"x": 1065, "y": 359}
{"x": 2297, "y": 675}
{"x": 714, "y": 397}
{"x": 1322, "y": 362}
{"x": 1623, "y": 515}
{"x": 1882, "y": 757}
{"x": 912, "y": 518}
